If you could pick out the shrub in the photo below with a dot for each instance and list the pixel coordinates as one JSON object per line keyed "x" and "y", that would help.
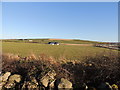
{"x": 92, "y": 70}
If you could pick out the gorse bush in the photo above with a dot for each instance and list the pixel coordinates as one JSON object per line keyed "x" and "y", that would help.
{"x": 103, "y": 69}
{"x": 92, "y": 70}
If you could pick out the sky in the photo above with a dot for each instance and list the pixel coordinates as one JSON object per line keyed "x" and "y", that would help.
{"x": 96, "y": 21}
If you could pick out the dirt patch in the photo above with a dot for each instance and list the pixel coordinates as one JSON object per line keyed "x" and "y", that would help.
{"x": 80, "y": 44}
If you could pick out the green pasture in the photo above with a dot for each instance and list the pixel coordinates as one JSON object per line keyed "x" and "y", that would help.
{"x": 57, "y": 51}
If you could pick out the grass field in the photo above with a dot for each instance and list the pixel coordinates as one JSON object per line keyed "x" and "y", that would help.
{"x": 69, "y": 52}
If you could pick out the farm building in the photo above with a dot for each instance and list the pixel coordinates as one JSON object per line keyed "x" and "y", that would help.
{"x": 53, "y": 43}
{"x": 30, "y": 40}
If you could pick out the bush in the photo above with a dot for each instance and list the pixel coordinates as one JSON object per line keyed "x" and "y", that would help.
{"x": 92, "y": 70}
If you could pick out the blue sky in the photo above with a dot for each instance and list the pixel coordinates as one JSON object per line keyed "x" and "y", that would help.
{"x": 70, "y": 20}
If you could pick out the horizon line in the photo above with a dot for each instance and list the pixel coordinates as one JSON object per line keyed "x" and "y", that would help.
{"x": 59, "y": 39}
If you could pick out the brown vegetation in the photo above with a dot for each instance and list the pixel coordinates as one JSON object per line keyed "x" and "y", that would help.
{"x": 91, "y": 71}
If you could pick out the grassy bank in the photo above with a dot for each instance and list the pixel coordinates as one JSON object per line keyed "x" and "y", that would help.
{"x": 69, "y": 52}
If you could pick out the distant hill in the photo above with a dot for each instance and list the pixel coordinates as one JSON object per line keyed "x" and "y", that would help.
{"x": 61, "y": 39}
{"x": 44, "y": 41}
